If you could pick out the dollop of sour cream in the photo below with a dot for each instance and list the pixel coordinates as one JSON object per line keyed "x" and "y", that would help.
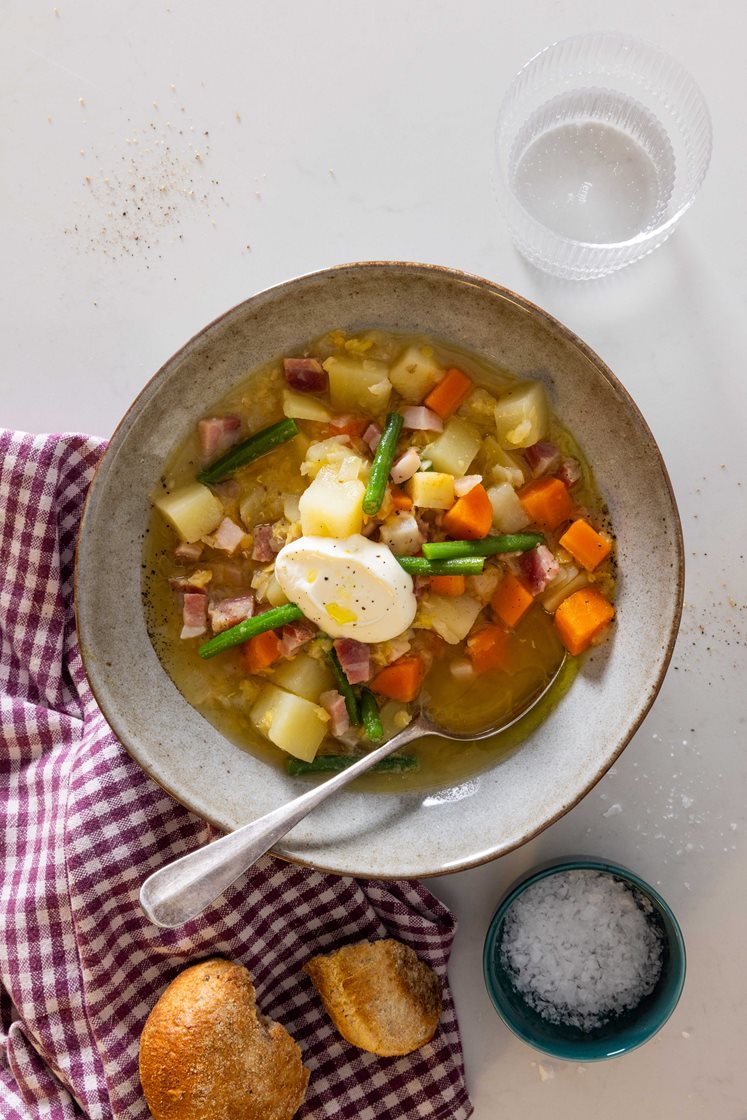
{"x": 351, "y": 588}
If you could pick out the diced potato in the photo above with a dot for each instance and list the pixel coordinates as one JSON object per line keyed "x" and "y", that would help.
{"x": 290, "y": 722}
{"x": 274, "y": 593}
{"x": 415, "y": 372}
{"x": 193, "y": 510}
{"x": 301, "y": 406}
{"x": 356, "y": 385}
{"x": 453, "y": 451}
{"x": 304, "y": 675}
{"x": 522, "y": 416}
{"x": 431, "y": 490}
{"x": 331, "y": 508}
{"x": 509, "y": 515}
{"x": 452, "y": 618}
{"x": 291, "y": 512}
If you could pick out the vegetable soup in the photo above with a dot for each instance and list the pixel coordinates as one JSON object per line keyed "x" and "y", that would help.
{"x": 366, "y": 525}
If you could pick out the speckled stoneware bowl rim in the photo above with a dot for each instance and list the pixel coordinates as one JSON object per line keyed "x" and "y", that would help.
{"x": 676, "y": 944}
{"x": 341, "y": 853}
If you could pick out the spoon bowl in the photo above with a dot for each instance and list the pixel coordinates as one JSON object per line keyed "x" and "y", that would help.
{"x": 181, "y": 890}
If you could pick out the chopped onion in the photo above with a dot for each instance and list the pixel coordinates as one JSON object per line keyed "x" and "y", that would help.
{"x": 463, "y": 486}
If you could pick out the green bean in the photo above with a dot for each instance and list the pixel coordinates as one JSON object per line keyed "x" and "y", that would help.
{"x": 372, "y": 724}
{"x": 459, "y": 566}
{"x": 382, "y": 464}
{"x": 345, "y": 689}
{"x": 488, "y": 546}
{"x": 333, "y": 763}
{"x": 249, "y": 450}
{"x": 249, "y": 628}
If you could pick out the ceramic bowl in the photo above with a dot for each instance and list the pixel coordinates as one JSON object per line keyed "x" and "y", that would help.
{"x": 394, "y": 834}
{"x": 620, "y": 1035}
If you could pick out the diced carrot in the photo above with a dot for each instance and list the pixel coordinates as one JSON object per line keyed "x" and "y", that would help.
{"x": 400, "y": 500}
{"x": 401, "y": 680}
{"x": 347, "y": 424}
{"x": 585, "y": 544}
{"x": 487, "y": 649}
{"x": 581, "y": 617}
{"x": 546, "y": 501}
{"x": 471, "y": 517}
{"x": 449, "y": 393}
{"x": 448, "y": 585}
{"x": 260, "y": 651}
{"x": 511, "y": 600}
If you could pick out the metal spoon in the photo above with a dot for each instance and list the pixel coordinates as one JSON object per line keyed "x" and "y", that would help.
{"x": 183, "y": 889}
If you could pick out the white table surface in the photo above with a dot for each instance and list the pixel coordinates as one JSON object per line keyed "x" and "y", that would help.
{"x": 161, "y": 163}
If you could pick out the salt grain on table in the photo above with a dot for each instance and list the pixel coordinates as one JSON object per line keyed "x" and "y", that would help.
{"x": 581, "y": 947}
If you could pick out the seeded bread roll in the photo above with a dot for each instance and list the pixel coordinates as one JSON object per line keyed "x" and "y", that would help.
{"x": 380, "y": 995}
{"x": 207, "y": 1053}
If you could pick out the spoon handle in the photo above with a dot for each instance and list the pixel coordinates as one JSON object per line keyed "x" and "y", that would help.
{"x": 183, "y": 889}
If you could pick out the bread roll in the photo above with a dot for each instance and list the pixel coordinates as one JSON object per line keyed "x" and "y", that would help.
{"x": 207, "y": 1053}
{"x": 380, "y": 995}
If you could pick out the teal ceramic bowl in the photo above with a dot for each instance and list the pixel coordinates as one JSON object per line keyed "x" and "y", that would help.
{"x": 621, "y": 1034}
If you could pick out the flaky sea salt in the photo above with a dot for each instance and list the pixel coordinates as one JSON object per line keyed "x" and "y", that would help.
{"x": 581, "y": 947}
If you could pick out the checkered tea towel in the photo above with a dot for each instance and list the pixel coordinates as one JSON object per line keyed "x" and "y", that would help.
{"x": 80, "y": 965}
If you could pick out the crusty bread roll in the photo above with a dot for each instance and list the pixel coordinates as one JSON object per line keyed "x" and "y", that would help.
{"x": 207, "y": 1053}
{"x": 379, "y": 994}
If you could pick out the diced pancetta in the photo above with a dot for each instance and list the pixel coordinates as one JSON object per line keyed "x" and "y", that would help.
{"x": 185, "y": 553}
{"x": 542, "y": 457}
{"x": 421, "y": 419}
{"x": 217, "y": 434}
{"x": 334, "y": 704}
{"x": 230, "y": 612}
{"x": 405, "y": 467}
{"x": 538, "y": 567}
{"x": 371, "y": 436}
{"x": 266, "y": 545}
{"x": 293, "y": 636}
{"x": 354, "y": 658}
{"x": 306, "y": 375}
{"x": 194, "y": 614}
{"x": 569, "y": 472}
{"x": 228, "y": 536}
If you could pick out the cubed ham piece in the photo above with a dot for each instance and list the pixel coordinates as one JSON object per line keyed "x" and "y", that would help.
{"x": 185, "y": 553}
{"x": 228, "y": 536}
{"x": 195, "y": 581}
{"x": 405, "y": 467}
{"x": 266, "y": 545}
{"x": 569, "y": 472}
{"x": 194, "y": 614}
{"x": 538, "y": 567}
{"x": 228, "y": 573}
{"x": 421, "y": 419}
{"x": 334, "y": 704}
{"x": 228, "y": 490}
{"x": 305, "y": 375}
{"x": 542, "y": 458}
{"x": 420, "y": 584}
{"x": 218, "y": 434}
{"x": 354, "y": 658}
{"x": 371, "y": 436}
{"x": 402, "y": 533}
{"x": 230, "y": 612}
{"x": 293, "y": 636}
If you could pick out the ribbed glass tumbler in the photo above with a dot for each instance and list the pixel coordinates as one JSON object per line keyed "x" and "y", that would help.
{"x": 602, "y": 143}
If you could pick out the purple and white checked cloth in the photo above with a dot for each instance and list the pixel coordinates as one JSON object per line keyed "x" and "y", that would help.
{"x": 80, "y": 965}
